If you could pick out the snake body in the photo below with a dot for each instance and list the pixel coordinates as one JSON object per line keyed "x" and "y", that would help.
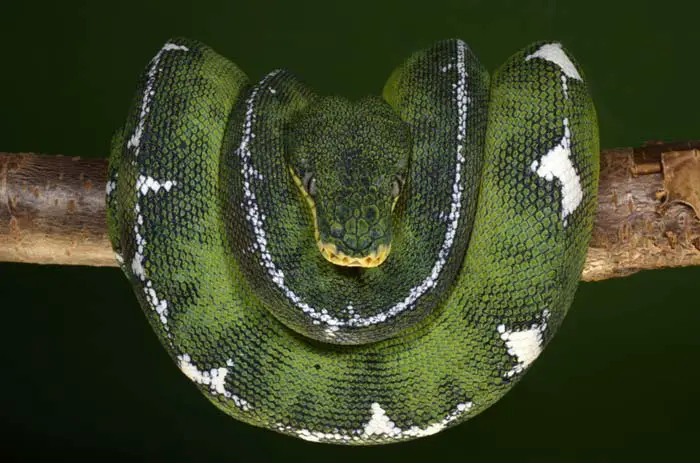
{"x": 356, "y": 272}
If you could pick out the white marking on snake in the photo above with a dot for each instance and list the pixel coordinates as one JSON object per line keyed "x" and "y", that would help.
{"x": 214, "y": 378}
{"x": 330, "y": 331}
{"x": 111, "y": 185}
{"x": 137, "y": 261}
{"x": 557, "y": 163}
{"x": 554, "y": 53}
{"x": 144, "y": 184}
{"x": 135, "y": 140}
{"x": 524, "y": 345}
{"x": 461, "y": 101}
{"x": 157, "y": 304}
{"x": 381, "y": 425}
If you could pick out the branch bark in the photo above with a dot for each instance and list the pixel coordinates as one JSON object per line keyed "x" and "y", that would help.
{"x": 52, "y": 210}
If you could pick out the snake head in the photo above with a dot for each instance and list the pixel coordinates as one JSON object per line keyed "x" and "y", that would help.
{"x": 349, "y": 160}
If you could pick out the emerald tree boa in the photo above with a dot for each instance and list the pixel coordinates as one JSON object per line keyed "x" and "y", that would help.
{"x": 356, "y": 272}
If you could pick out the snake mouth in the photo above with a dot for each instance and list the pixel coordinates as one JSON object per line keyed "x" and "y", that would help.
{"x": 373, "y": 259}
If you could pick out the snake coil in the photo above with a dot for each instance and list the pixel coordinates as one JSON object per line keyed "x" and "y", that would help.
{"x": 356, "y": 272}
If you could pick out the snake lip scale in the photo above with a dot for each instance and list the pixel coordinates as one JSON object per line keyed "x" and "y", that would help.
{"x": 356, "y": 272}
{"x": 373, "y": 259}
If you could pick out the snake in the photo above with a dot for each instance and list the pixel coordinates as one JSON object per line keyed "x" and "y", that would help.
{"x": 362, "y": 271}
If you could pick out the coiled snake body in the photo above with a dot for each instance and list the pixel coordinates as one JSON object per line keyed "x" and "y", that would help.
{"x": 356, "y": 272}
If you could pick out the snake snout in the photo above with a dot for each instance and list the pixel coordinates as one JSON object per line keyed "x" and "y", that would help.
{"x": 354, "y": 236}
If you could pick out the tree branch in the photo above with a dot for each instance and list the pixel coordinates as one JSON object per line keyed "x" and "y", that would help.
{"x": 52, "y": 210}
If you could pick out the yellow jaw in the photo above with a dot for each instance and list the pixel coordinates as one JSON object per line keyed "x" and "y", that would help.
{"x": 374, "y": 259}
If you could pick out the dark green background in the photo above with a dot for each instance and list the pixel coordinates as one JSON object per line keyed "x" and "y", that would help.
{"x": 82, "y": 374}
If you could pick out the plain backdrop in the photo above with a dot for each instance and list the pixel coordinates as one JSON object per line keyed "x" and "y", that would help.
{"x": 83, "y": 376}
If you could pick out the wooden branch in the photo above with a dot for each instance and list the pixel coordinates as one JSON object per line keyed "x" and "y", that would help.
{"x": 52, "y": 210}
{"x": 648, "y": 210}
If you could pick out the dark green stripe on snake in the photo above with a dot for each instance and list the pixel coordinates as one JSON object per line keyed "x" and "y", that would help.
{"x": 185, "y": 234}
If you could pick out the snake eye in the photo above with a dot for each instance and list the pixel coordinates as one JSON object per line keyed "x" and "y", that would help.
{"x": 309, "y": 183}
{"x": 396, "y": 186}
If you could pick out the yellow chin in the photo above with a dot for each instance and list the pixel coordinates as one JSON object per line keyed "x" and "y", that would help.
{"x": 374, "y": 259}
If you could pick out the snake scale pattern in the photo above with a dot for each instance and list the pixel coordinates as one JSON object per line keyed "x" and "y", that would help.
{"x": 356, "y": 272}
